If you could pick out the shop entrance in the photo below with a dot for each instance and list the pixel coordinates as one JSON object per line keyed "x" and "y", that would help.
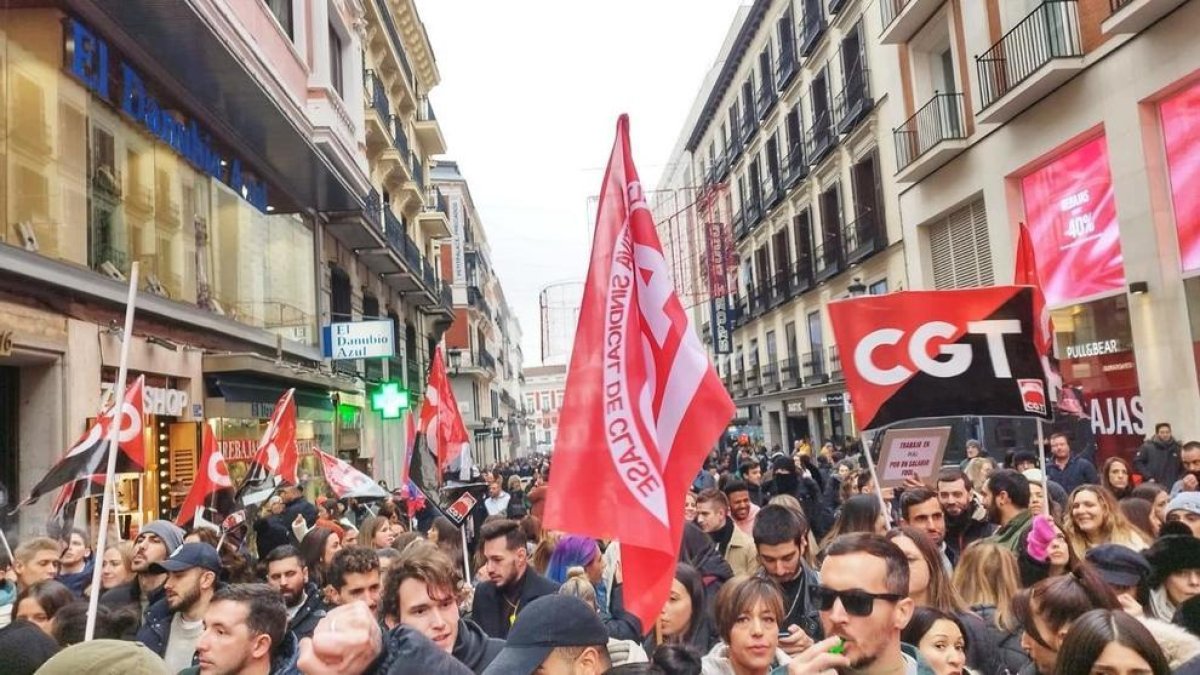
{"x": 8, "y": 436}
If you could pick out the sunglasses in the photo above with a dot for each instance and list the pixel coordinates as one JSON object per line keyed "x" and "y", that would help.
{"x": 856, "y": 602}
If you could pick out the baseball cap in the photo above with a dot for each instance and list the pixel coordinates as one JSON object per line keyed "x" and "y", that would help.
{"x": 1119, "y": 565}
{"x": 196, "y": 554}
{"x": 547, "y": 623}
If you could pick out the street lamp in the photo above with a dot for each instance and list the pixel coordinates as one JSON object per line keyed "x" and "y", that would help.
{"x": 455, "y": 356}
{"x": 857, "y": 288}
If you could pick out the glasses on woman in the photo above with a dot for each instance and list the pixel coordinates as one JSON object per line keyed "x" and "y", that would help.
{"x": 857, "y": 602}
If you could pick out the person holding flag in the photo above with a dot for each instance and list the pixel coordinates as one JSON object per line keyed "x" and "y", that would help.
{"x": 643, "y": 405}
{"x": 211, "y": 498}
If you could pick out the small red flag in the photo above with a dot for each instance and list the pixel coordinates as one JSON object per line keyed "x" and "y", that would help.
{"x": 442, "y": 424}
{"x": 212, "y": 490}
{"x": 277, "y": 455}
{"x": 643, "y": 405}
{"x": 347, "y": 481}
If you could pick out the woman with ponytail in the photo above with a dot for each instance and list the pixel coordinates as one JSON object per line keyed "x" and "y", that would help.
{"x": 1047, "y": 610}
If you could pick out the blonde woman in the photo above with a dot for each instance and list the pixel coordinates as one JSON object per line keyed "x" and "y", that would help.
{"x": 988, "y": 578}
{"x": 1093, "y": 518}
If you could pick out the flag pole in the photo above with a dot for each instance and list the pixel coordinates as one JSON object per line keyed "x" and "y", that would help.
{"x": 1041, "y": 441}
{"x": 7, "y": 548}
{"x": 114, "y": 434}
{"x": 887, "y": 512}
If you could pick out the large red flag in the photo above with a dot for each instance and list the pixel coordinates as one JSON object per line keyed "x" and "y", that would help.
{"x": 1026, "y": 274}
{"x": 211, "y": 496}
{"x": 85, "y": 463}
{"x": 277, "y": 455}
{"x": 441, "y": 423}
{"x": 643, "y": 405}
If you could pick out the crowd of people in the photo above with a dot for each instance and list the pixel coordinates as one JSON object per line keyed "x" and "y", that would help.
{"x": 789, "y": 563}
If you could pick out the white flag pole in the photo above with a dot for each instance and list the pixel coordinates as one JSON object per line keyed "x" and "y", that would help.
{"x": 887, "y": 511}
{"x": 114, "y": 434}
{"x": 1041, "y": 441}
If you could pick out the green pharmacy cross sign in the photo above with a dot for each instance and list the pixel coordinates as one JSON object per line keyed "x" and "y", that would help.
{"x": 389, "y": 400}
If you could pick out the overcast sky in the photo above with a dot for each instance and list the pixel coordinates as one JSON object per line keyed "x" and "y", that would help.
{"x": 528, "y": 103}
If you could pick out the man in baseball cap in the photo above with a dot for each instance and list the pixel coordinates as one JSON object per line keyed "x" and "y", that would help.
{"x": 173, "y": 625}
{"x": 559, "y": 634}
{"x": 1185, "y": 508}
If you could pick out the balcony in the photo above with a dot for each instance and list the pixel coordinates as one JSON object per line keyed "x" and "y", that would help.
{"x": 1033, "y": 59}
{"x": 434, "y": 217}
{"x": 749, "y": 126}
{"x": 416, "y": 185}
{"x": 1132, "y": 16}
{"x": 811, "y": 32}
{"x": 753, "y": 383}
{"x": 934, "y": 135}
{"x": 736, "y": 144}
{"x": 754, "y": 212}
{"x": 364, "y": 232}
{"x": 408, "y": 277}
{"x": 836, "y": 6}
{"x": 820, "y": 140}
{"x": 766, "y": 98}
{"x": 429, "y": 132}
{"x": 476, "y": 300}
{"x": 781, "y": 287}
{"x": 394, "y": 41}
{"x": 770, "y": 377}
{"x": 827, "y": 256}
{"x": 835, "y": 364}
{"x": 787, "y": 69}
{"x": 813, "y": 364}
{"x": 739, "y": 226}
{"x": 762, "y": 297}
{"x": 863, "y": 238}
{"x": 854, "y": 101}
{"x": 902, "y": 19}
{"x": 789, "y": 374}
{"x": 395, "y": 159}
{"x": 795, "y": 166}
{"x": 802, "y": 276}
{"x": 772, "y": 193}
{"x": 742, "y": 314}
{"x": 379, "y": 112}
{"x": 486, "y": 360}
{"x": 739, "y": 384}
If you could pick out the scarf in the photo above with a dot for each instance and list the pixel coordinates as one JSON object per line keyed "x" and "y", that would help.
{"x": 1160, "y": 605}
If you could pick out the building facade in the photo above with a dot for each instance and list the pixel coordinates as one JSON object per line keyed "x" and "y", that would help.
{"x": 795, "y": 207}
{"x": 1077, "y": 118}
{"x": 545, "y": 387}
{"x": 483, "y": 349}
{"x": 259, "y": 199}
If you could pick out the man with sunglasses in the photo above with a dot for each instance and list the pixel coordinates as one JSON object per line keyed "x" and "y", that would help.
{"x": 863, "y": 599}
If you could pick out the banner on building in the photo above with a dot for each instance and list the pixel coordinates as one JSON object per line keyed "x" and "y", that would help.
{"x": 1181, "y": 135}
{"x": 721, "y": 310}
{"x": 458, "y": 240}
{"x": 1072, "y": 218}
{"x": 921, "y": 354}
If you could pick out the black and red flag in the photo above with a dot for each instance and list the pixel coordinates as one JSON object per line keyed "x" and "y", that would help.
{"x": 81, "y": 471}
{"x": 920, "y": 354}
{"x": 277, "y": 457}
{"x": 211, "y": 498}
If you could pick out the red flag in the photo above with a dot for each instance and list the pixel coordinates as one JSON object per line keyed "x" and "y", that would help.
{"x": 277, "y": 455}
{"x": 643, "y": 405}
{"x": 212, "y": 489}
{"x": 410, "y": 440}
{"x": 441, "y": 422}
{"x": 85, "y": 462}
{"x": 347, "y": 481}
{"x": 1026, "y": 274}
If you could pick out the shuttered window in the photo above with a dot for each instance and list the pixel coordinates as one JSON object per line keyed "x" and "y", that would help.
{"x": 959, "y": 249}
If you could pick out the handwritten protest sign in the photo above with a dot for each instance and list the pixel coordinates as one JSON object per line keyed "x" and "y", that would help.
{"x": 911, "y": 452}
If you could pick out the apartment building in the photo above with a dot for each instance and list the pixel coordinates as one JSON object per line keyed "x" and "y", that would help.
{"x": 483, "y": 343}
{"x": 791, "y": 152}
{"x": 1077, "y": 118}
{"x": 545, "y": 387}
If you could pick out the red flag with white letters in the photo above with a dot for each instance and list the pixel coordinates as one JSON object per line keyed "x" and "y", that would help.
{"x": 441, "y": 423}
{"x": 211, "y": 496}
{"x": 643, "y": 405}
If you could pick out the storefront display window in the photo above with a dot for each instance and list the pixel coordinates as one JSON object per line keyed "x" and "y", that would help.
{"x": 1101, "y": 405}
{"x": 1181, "y": 136}
{"x": 1072, "y": 218}
{"x": 237, "y": 439}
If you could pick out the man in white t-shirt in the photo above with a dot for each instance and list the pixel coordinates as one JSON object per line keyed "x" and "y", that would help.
{"x": 174, "y": 624}
{"x": 497, "y": 499}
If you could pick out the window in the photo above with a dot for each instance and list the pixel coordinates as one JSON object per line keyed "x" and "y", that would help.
{"x": 282, "y": 11}
{"x": 878, "y": 288}
{"x": 816, "y": 341}
{"x": 958, "y": 247}
{"x": 335, "y": 61}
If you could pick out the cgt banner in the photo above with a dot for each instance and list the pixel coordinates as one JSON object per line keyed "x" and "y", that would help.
{"x": 941, "y": 353}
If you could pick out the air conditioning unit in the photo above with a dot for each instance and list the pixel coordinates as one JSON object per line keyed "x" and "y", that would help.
{"x": 155, "y": 286}
{"x": 110, "y": 270}
{"x": 28, "y": 236}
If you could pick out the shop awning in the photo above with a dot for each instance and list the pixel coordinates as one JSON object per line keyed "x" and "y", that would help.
{"x": 247, "y": 389}
{"x": 174, "y": 45}
{"x": 277, "y": 375}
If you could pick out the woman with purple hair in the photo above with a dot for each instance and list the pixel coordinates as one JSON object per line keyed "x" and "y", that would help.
{"x": 576, "y": 551}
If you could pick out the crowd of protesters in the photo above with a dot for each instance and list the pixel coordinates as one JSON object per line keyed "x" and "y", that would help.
{"x": 789, "y": 563}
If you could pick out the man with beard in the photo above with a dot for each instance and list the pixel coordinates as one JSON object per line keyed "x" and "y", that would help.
{"x": 153, "y": 544}
{"x": 174, "y": 624}
{"x": 788, "y": 481}
{"x": 1158, "y": 459}
{"x": 1006, "y": 497}
{"x": 354, "y": 575}
{"x": 920, "y": 508}
{"x": 741, "y": 507}
{"x": 245, "y": 633}
{"x": 780, "y": 538}
{"x": 737, "y": 547}
{"x": 1071, "y": 471}
{"x": 863, "y": 598}
{"x": 422, "y": 593}
{"x": 966, "y": 518}
{"x": 1189, "y": 457}
{"x": 287, "y": 573}
{"x": 512, "y": 584}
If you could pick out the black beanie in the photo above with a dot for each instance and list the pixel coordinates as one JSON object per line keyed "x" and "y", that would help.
{"x": 1171, "y": 554}
{"x": 24, "y": 648}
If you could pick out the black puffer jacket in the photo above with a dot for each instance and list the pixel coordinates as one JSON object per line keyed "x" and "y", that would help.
{"x": 473, "y": 648}
{"x": 1009, "y": 657}
{"x": 309, "y": 614}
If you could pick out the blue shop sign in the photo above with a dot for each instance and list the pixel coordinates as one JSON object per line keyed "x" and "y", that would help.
{"x": 90, "y": 61}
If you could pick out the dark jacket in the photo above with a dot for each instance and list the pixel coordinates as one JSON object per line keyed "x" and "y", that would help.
{"x": 1159, "y": 462}
{"x": 78, "y": 580}
{"x": 156, "y": 627}
{"x": 276, "y": 530}
{"x": 1078, "y": 471}
{"x": 621, "y": 624}
{"x": 1010, "y": 658}
{"x": 309, "y": 614}
{"x": 490, "y": 610}
{"x": 130, "y": 595}
{"x": 473, "y": 648}
{"x": 808, "y": 493}
{"x": 283, "y": 662}
{"x": 407, "y": 652}
{"x": 758, "y": 495}
{"x": 968, "y": 528}
{"x": 800, "y": 603}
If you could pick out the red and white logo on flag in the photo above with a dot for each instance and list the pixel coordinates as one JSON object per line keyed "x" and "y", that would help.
{"x": 643, "y": 405}
{"x": 347, "y": 481}
{"x": 277, "y": 450}
{"x": 442, "y": 424}
{"x": 212, "y": 477}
